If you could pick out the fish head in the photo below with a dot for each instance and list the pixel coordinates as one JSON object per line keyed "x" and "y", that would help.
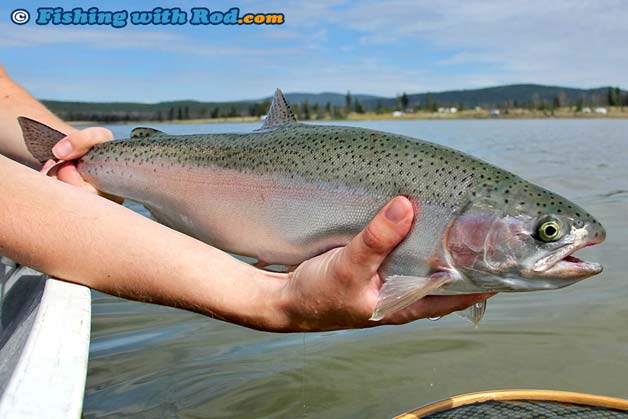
{"x": 523, "y": 246}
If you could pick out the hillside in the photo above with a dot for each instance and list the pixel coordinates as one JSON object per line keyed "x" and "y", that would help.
{"x": 334, "y": 105}
{"x": 321, "y": 99}
{"x": 517, "y": 96}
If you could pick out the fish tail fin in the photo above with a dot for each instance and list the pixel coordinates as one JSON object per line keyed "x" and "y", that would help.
{"x": 39, "y": 138}
{"x": 398, "y": 292}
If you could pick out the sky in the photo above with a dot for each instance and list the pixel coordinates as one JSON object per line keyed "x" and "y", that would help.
{"x": 370, "y": 47}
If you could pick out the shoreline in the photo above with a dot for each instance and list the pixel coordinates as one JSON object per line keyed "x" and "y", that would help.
{"x": 612, "y": 113}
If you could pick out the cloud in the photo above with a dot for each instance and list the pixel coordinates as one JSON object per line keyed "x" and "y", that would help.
{"x": 333, "y": 45}
{"x": 466, "y": 57}
{"x": 34, "y": 36}
{"x": 579, "y": 43}
{"x": 551, "y": 42}
{"x": 41, "y": 37}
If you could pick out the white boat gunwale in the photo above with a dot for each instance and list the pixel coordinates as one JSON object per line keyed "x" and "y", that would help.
{"x": 45, "y": 350}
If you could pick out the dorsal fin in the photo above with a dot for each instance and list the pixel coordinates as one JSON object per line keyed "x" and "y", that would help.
{"x": 143, "y": 132}
{"x": 279, "y": 112}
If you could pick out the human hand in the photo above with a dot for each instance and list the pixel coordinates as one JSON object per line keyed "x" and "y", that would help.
{"x": 339, "y": 289}
{"x": 70, "y": 148}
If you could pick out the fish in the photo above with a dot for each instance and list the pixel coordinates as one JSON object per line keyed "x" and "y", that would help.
{"x": 290, "y": 191}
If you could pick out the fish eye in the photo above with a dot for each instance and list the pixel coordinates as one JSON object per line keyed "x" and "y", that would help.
{"x": 548, "y": 231}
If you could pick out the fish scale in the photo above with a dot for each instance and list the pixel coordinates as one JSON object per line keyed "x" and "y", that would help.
{"x": 376, "y": 161}
{"x": 362, "y": 163}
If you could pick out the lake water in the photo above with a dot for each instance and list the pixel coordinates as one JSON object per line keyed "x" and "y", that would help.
{"x": 149, "y": 361}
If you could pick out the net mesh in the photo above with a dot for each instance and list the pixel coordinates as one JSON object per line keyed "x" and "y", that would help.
{"x": 528, "y": 409}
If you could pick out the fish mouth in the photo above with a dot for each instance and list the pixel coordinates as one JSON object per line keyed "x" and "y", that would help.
{"x": 562, "y": 263}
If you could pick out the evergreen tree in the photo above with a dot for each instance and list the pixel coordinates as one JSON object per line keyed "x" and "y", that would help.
{"x": 378, "y": 107}
{"x": 404, "y": 101}
{"x": 306, "y": 110}
{"x": 358, "y": 106}
{"x": 316, "y": 110}
{"x": 262, "y": 108}
{"x": 580, "y": 105}
{"x": 542, "y": 106}
{"x": 348, "y": 102}
{"x": 610, "y": 97}
{"x": 430, "y": 105}
{"x": 337, "y": 112}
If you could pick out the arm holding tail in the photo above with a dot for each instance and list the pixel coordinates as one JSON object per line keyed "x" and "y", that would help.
{"x": 15, "y": 102}
{"x": 77, "y": 236}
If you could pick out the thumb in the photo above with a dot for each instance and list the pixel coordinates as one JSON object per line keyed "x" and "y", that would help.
{"x": 366, "y": 252}
{"x": 80, "y": 142}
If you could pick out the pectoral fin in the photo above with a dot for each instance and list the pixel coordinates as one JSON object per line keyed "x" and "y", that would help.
{"x": 474, "y": 313}
{"x": 398, "y": 292}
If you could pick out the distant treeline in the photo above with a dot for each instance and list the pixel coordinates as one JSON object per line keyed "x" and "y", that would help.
{"x": 337, "y": 106}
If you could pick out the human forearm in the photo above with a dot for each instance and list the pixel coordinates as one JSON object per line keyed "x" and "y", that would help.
{"x": 14, "y": 102}
{"x": 77, "y": 236}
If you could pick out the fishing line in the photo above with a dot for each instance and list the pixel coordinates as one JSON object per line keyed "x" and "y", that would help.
{"x": 304, "y": 411}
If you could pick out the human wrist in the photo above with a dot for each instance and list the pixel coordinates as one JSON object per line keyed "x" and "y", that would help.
{"x": 268, "y": 308}
{"x": 240, "y": 294}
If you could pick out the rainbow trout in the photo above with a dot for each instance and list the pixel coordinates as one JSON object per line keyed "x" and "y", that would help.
{"x": 290, "y": 191}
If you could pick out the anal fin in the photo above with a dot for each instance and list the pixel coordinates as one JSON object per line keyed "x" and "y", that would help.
{"x": 473, "y": 313}
{"x": 398, "y": 292}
